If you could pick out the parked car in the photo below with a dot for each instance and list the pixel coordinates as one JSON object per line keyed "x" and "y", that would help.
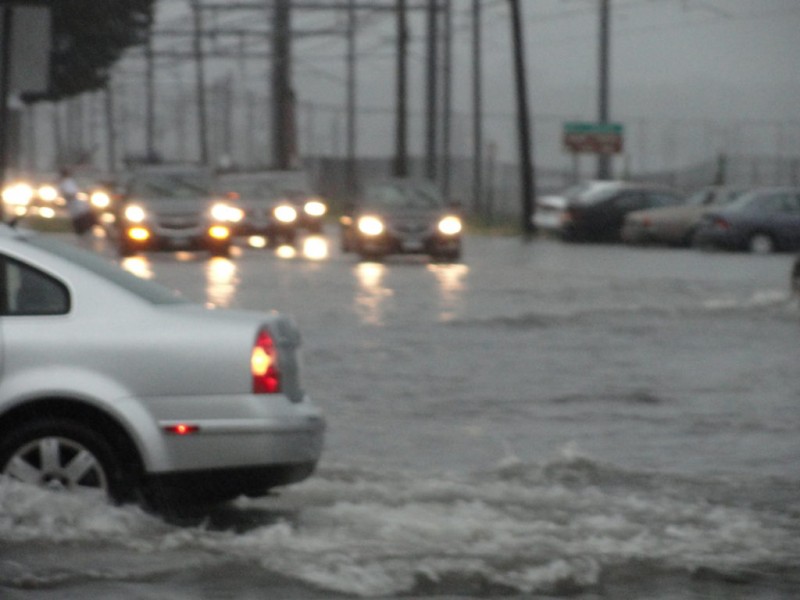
{"x": 794, "y": 278}
{"x": 174, "y": 208}
{"x": 550, "y": 209}
{"x": 761, "y": 221}
{"x": 676, "y": 225}
{"x": 596, "y": 211}
{"x": 402, "y": 216}
{"x": 267, "y": 211}
{"x": 114, "y": 384}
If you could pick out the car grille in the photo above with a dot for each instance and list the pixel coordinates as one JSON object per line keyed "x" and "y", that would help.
{"x": 179, "y": 222}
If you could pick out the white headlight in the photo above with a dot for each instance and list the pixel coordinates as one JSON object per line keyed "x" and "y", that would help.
{"x": 315, "y": 208}
{"x": 134, "y": 213}
{"x": 19, "y": 194}
{"x": 225, "y": 212}
{"x": 100, "y": 199}
{"x": 48, "y": 193}
{"x": 450, "y": 225}
{"x": 285, "y": 213}
{"x": 370, "y": 225}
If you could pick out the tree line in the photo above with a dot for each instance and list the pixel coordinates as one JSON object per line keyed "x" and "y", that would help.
{"x": 88, "y": 37}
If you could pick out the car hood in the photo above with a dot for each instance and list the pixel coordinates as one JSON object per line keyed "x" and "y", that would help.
{"x": 172, "y": 206}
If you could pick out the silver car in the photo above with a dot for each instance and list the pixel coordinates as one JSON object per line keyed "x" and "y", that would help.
{"x": 115, "y": 384}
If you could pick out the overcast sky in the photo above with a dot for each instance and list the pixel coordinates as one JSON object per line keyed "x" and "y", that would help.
{"x": 700, "y": 59}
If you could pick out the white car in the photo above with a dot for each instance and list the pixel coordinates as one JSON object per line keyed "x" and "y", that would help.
{"x": 113, "y": 383}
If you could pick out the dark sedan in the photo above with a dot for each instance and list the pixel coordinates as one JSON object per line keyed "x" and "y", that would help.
{"x": 761, "y": 221}
{"x": 402, "y": 216}
{"x": 599, "y": 215}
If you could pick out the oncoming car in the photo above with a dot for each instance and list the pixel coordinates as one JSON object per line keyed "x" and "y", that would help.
{"x": 402, "y": 216}
{"x": 114, "y": 384}
{"x": 174, "y": 208}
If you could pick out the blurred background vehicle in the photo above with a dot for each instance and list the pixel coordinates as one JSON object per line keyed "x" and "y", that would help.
{"x": 675, "y": 225}
{"x": 270, "y": 216}
{"x": 402, "y": 216}
{"x": 760, "y": 221}
{"x": 595, "y": 211}
{"x": 174, "y": 207}
{"x": 550, "y": 208}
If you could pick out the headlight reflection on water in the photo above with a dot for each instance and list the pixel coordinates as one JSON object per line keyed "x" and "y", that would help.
{"x": 451, "y": 280}
{"x": 139, "y": 266}
{"x": 372, "y": 292}
{"x": 222, "y": 280}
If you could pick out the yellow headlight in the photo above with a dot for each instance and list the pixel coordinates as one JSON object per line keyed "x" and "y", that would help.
{"x": 370, "y": 225}
{"x": 219, "y": 232}
{"x": 285, "y": 213}
{"x": 140, "y": 234}
{"x": 450, "y": 225}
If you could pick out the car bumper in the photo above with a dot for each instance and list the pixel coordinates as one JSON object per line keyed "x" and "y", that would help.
{"x": 167, "y": 239}
{"x": 713, "y": 238}
{"x": 396, "y": 245}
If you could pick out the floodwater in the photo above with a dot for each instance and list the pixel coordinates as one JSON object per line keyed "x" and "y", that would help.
{"x": 541, "y": 420}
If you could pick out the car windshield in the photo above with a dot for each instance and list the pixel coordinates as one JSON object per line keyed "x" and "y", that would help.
{"x": 188, "y": 185}
{"x": 755, "y": 200}
{"x": 147, "y": 290}
{"x": 403, "y": 196}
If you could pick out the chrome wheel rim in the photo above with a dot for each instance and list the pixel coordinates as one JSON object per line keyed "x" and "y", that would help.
{"x": 761, "y": 244}
{"x": 57, "y": 463}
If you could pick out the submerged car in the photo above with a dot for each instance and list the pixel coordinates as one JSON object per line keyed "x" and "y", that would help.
{"x": 266, "y": 210}
{"x": 676, "y": 225}
{"x": 402, "y": 216}
{"x": 114, "y": 384}
{"x": 596, "y": 212}
{"x": 761, "y": 221}
{"x": 174, "y": 208}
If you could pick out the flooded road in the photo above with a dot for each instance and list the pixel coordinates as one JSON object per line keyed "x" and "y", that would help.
{"x": 543, "y": 419}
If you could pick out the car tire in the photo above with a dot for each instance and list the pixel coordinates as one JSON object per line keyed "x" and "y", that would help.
{"x": 794, "y": 280}
{"x": 63, "y": 454}
{"x": 220, "y": 251}
{"x": 761, "y": 243}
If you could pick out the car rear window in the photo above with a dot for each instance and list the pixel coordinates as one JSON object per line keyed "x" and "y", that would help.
{"x": 147, "y": 290}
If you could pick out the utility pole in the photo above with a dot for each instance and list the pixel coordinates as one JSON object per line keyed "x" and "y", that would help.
{"x": 447, "y": 111}
{"x": 282, "y": 109}
{"x": 477, "y": 109}
{"x": 401, "y": 147}
{"x": 526, "y": 163}
{"x": 201, "y": 83}
{"x": 351, "y": 98}
{"x": 5, "y": 83}
{"x": 149, "y": 87}
{"x": 432, "y": 121}
{"x": 603, "y": 160}
{"x": 108, "y": 95}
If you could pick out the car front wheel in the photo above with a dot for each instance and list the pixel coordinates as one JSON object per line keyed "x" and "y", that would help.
{"x": 761, "y": 243}
{"x": 61, "y": 454}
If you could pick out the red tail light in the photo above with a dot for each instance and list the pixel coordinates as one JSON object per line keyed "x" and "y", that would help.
{"x": 721, "y": 223}
{"x": 264, "y": 365}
